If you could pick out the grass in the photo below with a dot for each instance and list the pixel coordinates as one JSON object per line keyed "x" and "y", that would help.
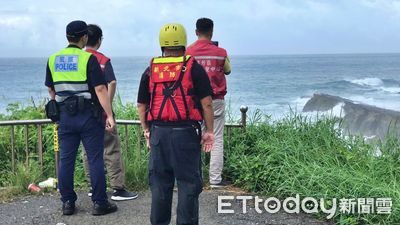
{"x": 295, "y": 155}
{"x": 310, "y": 158}
{"x": 135, "y": 159}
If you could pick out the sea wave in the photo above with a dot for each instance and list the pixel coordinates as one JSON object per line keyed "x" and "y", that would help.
{"x": 369, "y": 81}
{"x": 368, "y": 84}
{"x": 299, "y": 102}
{"x": 389, "y": 103}
{"x": 384, "y": 85}
{"x": 393, "y": 90}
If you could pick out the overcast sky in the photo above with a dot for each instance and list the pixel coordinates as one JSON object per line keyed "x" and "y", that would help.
{"x": 243, "y": 27}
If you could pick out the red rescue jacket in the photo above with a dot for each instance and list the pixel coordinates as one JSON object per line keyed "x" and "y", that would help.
{"x": 101, "y": 58}
{"x": 171, "y": 90}
{"x": 212, "y": 58}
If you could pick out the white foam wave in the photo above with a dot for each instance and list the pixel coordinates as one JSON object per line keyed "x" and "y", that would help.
{"x": 336, "y": 111}
{"x": 360, "y": 99}
{"x": 296, "y": 105}
{"x": 385, "y": 103}
{"x": 369, "y": 81}
{"x": 376, "y": 84}
{"x": 393, "y": 90}
{"x": 300, "y": 102}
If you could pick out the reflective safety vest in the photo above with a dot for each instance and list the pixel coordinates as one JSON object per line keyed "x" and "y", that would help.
{"x": 101, "y": 58}
{"x": 69, "y": 72}
{"x": 171, "y": 90}
{"x": 212, "y": 58}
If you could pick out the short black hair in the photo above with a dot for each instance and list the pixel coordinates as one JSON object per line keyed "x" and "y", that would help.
{"x": 178, "y": 48}
{"x": 73, "y": 39}
{"x": 204, "y": 25}
{"x": 94, "y": 34}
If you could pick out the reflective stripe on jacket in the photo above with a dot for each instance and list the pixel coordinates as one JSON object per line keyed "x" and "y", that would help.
{"x": 69, "y": 72}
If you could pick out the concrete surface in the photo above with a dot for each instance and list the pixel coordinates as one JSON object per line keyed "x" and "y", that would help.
{"x": 46, "y": 209}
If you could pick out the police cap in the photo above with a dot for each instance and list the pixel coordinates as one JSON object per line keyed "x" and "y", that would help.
{"x": 76, "y": 28}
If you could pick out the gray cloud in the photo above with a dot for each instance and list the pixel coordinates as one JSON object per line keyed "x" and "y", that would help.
{"x": 36, "y": 28}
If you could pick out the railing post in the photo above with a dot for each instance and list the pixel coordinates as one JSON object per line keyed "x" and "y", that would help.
{"x": 139, "y": 139}
{"x": 26, "y": 145}
{"x": 40, "y": 146}
{"x": 229, "y": 134}
{"x": 126, "y": 137}
{"x": 12, "y": 148}
{"x": 243, "y": 110}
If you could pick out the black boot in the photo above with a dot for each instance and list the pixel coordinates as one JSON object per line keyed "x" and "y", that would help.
{"x": 102, "y": 209}
{"x": 68, "y": 208}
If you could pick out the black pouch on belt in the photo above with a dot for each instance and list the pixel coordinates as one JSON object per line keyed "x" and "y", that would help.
{"x": 97, "y": 112}
{"x": 52, "y": 111}
{"x": 71, "y": 105}
{"x": 81, "y": 103}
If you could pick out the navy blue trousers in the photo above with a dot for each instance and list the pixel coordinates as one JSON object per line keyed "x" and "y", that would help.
{"x": 175, "y": 154}
{"x": 71, "y": 131}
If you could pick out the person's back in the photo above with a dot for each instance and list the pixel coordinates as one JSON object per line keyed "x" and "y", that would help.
{"x": 214, "y": 59}
{"x": 112, "y": 143}
{"x": 171, "y": 91}
{"x": 216, "y": 63}
{"x": 75, "y": 82}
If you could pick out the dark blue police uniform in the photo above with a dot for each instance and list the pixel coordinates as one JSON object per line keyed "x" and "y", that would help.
{"x": 72, "y": 74}
{"x": 82, "y": 126}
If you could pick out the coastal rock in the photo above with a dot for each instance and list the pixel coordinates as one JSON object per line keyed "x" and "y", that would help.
{"x": 357, "y": 118}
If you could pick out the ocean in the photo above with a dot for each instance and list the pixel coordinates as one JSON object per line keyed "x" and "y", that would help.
{"x": 273, "y": 84}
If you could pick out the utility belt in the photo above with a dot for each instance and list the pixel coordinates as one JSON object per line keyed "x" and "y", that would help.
{"x": 176, "y": 124}
{"x": 72, "y": 106}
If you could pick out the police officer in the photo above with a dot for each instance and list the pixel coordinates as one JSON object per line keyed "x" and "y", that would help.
{"x": 174, "y": 96}
{"x": 75, "y": 81}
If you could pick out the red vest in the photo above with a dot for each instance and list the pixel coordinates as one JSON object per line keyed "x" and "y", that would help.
{"x": 212, "y": 58}
{"x": 171, "y": 90}
{"x": 102, "y": 59}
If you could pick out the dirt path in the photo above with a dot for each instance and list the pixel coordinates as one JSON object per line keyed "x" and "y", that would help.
{"x": 46, "y": 209}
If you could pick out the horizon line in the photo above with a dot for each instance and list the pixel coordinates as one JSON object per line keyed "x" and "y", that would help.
{"x": 241, "y": 55}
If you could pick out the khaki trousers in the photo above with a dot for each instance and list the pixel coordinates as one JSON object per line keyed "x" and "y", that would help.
{"x": 217, "y": 153}
{"x": 112, "y": 160}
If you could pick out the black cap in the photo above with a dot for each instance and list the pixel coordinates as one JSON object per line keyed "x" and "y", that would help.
{"x": 76, "y": 28}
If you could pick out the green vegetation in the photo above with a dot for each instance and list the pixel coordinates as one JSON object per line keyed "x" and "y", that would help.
{"x": 297, "y": 156}
{"x": 283, "y": 158}
{"x": 29, "y": 171}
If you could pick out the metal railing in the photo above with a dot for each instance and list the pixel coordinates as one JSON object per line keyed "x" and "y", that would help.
{"x": 39, "y": 123}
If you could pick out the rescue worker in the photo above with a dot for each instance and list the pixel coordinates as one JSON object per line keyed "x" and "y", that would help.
{"x": 174, "y": 96}
{"x": 74, "y": 79}
{"x": 216, "y": 63}
{"x": 112, "y": 143}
